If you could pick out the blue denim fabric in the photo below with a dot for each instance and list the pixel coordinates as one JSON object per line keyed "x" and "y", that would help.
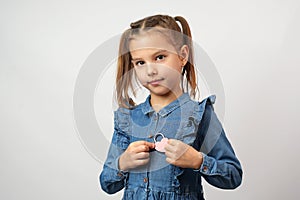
{"x": 194, "y": 123}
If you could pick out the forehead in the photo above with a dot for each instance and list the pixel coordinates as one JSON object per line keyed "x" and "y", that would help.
{"x": 150, "y": 41}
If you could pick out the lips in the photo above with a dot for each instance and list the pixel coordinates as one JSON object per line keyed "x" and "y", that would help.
{"x": 155, "y": 82}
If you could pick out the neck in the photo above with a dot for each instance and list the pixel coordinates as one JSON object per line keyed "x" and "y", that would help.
{"x": 160, "y": 101}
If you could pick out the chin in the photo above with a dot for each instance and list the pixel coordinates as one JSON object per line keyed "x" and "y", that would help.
{"x": 161, "y": 92}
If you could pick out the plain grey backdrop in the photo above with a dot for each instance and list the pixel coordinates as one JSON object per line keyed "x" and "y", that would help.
{"x": 43, "y": 44}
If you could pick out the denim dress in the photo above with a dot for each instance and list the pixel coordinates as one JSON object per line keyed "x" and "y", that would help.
{"x": 194, "y": 123}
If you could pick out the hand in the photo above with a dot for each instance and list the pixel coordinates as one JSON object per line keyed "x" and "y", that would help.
{"x": 182, "y": 155}
{"x": 137, "y": 154}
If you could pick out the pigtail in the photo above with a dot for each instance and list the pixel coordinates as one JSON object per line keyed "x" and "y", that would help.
{"x": 124, "y": 73}
{"x": 185, "y": 26}
{"x": 189, "y": 68}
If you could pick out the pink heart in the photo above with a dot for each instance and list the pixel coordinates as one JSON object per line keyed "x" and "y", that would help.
{"x": 160, "y": 146}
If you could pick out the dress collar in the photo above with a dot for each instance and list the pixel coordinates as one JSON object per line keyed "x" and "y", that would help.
{"x": 147, "y": 108}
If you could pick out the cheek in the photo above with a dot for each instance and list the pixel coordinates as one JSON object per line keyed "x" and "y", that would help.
{"x": 177, "y": 67}
{"x": 140, "y": 75}
{"x": 174, "y": 71}
{"x": 174, "y": 66}
{"x": 174, "y": 77}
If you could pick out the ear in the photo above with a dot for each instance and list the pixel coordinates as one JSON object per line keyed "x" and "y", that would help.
{"x": 184, "y": 54}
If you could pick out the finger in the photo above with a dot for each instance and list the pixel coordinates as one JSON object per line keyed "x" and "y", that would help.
{"x": 138, "y": 143}
{"x": 142, "y": 148}
{"x": 173, "y": 142}
{"x": 172, "y": 155}
{"x": 141, "y": 162}
{"x": 141, "y": 155}
{"x": 169, "y": 154}
{"x": 142, "y": 142}
{"x": 169, "y": 148}
{"x": 170, "y": 160}
{"x": 150, "y": 144}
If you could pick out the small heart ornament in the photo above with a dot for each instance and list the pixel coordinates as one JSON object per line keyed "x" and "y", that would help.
{"x": 160, "y": 146}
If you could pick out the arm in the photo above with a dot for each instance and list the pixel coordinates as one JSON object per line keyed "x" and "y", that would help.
{"x": 217, "y": 162}
{"x": 220, "y": 166}
{"x": 111, "y": 178}
{"x": 122, "y": 157}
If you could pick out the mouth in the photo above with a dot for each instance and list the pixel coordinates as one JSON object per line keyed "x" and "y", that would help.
{"x": 155, "y": 82}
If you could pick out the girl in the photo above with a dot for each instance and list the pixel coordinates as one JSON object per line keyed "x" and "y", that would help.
{"x": 161, "y": 148}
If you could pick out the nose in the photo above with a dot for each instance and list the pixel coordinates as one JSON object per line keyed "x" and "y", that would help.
{"x": 151, "y": 69}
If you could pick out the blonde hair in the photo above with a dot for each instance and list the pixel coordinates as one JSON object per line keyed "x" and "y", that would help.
{"x": 124, "y": 67}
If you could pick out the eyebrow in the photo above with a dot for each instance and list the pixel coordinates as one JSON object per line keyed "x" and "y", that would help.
{"x": 158, "y": 52}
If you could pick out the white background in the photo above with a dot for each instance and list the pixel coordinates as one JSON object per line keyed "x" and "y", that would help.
{"x": 43, "y": 44}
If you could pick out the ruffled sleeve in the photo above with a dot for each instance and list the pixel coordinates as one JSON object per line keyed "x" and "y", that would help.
{"x": 220, "y": 167}
{"x": 111, "y": 178}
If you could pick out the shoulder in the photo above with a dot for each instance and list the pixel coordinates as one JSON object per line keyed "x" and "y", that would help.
{"x": 210, "y": 100}
{"x": 199, "y": 107}
{"x": 121, "y": 118}
{"x": 207, "y": 102}
{"x": 121, "y": 112}
{"x": 123, "y": 115}
{"x": 124, "y": 118}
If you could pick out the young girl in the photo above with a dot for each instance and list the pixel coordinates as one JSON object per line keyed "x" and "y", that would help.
{"x": 161, "y": 148}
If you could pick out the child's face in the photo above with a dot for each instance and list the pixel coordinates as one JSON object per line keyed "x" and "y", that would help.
{"x": 156, "y": 63}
